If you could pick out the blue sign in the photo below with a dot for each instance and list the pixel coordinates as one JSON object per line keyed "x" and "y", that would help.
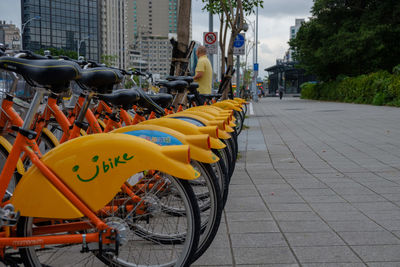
{"x": 157, "y": 137}
{"x": 239, "y": 41}
{"x": 255, "y": 68}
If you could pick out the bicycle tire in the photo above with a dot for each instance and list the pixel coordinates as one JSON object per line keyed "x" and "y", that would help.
{"x": 126, "y": 257}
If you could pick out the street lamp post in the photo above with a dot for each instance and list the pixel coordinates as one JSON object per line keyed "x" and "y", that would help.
{"x": 23, "y": 28}
{"x": 79, "y": 43}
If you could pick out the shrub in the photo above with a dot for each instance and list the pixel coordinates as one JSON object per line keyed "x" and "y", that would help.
{"x": 378, "y": 88}
{"x": 309, "y": 91}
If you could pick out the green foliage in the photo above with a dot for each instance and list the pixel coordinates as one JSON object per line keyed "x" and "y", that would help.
{"x": 216, "y": 6}
{"x": 308, "y": 91}
{"x": 58, "y": 52}
{"x": 378, "y": 88}
{"x": 108, "y": 60}
{"x": 349, "y": 37}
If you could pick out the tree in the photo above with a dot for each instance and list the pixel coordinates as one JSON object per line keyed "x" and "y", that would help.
{"x": 58, "y": 52}
{"x": 108, "y": 60}
{"x": 231, "y": 15}
{"x": 349, "y": 37}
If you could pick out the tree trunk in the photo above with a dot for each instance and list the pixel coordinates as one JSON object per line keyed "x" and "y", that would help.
{"x": 179, "y": 61}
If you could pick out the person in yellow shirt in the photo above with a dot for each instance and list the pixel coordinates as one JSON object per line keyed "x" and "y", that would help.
{"x": 203, "y": 71}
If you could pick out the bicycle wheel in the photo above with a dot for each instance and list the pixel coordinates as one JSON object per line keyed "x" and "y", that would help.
{"x": 208, "y": 194}
{"x": 221, "y": 173}
{"x": 140, "y": 230}
{"x": 229, "y": 155}
{"x": 239, "y": 121}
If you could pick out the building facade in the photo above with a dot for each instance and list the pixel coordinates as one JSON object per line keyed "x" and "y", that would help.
{"x": 294, "y": 29}
{"x": 114, "y": 32}
{"x": 63, "y": 24}
{"x": 10, "y": 35}
{"x": 151, "y": 24}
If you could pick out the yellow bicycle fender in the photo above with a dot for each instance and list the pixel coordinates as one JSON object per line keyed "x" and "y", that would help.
{"x": 214, "y": 114}
{"x": 227, "y": 105}
{"x": 6, "y": 144}
{"x": 212, "y": 120}
{"x": 187, "y": 128}
{"x": 102, "y": 124}
{"x": 94, "y": 167}
{"x": 51, "y": 136}
{"x": 199, "y": 146}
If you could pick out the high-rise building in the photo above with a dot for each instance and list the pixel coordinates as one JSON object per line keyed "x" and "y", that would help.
{"x": 63, "y": 24}
{"x": 114, "y": 34}
{"x": 150, "y": 24}
{"x": 294, "y": 29}
{"x": 160, "y": 17}
{"x": 10, "y": 35}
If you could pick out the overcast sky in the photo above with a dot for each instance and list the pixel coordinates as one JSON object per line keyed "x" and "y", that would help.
{"x": 275, "y": 20}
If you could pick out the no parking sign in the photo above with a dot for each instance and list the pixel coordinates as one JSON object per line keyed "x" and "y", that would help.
{"x": 210, "y": 41}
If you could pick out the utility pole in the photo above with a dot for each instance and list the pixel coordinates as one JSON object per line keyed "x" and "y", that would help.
{"x": 211, "y": 56}
{"x": 256, "y": 66}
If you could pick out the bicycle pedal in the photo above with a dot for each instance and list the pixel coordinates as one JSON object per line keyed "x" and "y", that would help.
{"x": 8, "y": 217}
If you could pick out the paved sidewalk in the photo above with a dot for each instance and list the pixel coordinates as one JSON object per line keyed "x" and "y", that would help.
{"x": 318, "y": 184}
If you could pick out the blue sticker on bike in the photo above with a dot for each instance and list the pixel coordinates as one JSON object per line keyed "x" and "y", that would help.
{"x": 157, "y": 137}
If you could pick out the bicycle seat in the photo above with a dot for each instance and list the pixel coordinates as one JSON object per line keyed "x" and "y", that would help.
{"x": 211, "y": 96}
{"x": 101, "y": 79}
{"x": 163, "y": 100}
{"x": 146, "y": 102}
{"x": 52, "y": 74}
{"x": 124, "y": 98}
{"x": 191, "y": 98}
{"x": 188, "y": 79}
{"x": 178, "y": 85}
{"x": 193, "y": 87}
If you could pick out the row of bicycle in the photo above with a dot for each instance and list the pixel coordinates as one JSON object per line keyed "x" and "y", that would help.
{"x": 118, "y": 176}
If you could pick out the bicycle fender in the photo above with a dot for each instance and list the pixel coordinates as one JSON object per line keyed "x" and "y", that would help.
{"x": 213, "y": 114}
{"x": 227, "y": 105}
{"x": 199, "y": 144}
{"x": 204, "y": 122}
{"x": 7, "y": 146}
{"x": 94, "y": 167}
{"x": 51, "y": 136}
{"x": 188, "y": 128}
{"x": 212, "y": 120}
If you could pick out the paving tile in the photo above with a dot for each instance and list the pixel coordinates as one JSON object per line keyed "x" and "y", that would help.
{"x": 328, "y": 207}
{"x": 363, "y": 198}
{"x": 352, "y": 226}
{"x": 289, "y": 207}
{"x": 342, "y": 215}
{"x": 296, "y": 216}
{"x": 252, "y": 227}
{"x": 281, "y": 255}
{"x": 249, "y": 216}
{"x": 245, "y": 204}
{"x": 311, "y": 239}
{"x": 336, "y": 264}
{"x": 325, "y": 254}
{"x": 260, "y": 240}
{"x": 378, "y": 253}
{"x": 216, "y": 256}
{"x": 370, "y": 238}
{"x": 303, "y": 226}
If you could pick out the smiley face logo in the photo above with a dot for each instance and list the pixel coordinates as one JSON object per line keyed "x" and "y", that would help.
{"x": 76, "y": 168}
{"x": 112, "y": 163}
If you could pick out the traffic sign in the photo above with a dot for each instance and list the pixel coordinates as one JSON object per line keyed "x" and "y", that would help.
{"x": 210, "y": 41}
{"x": 239, "y": 44}
{"x": 255, "y": 67}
